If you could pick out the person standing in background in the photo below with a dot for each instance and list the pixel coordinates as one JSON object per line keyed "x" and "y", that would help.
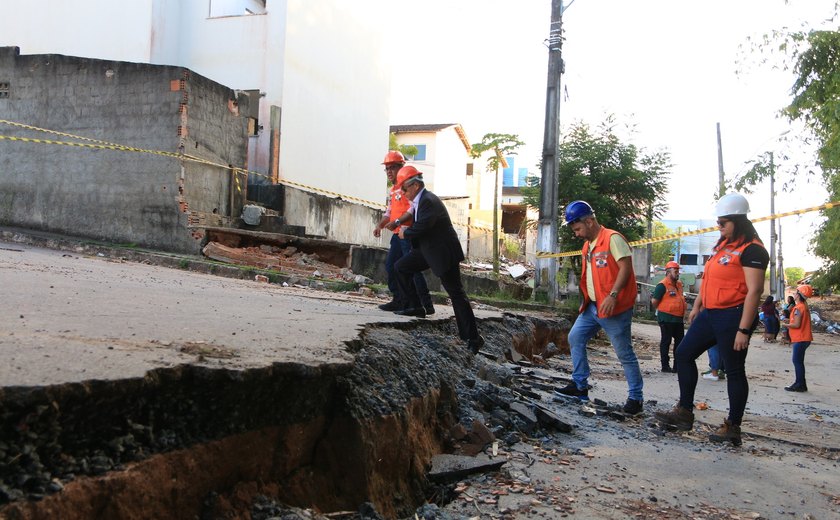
{"x": 801, "y": 336}
{"x": 669, "y": 300}
{"x": 771, "y": 320}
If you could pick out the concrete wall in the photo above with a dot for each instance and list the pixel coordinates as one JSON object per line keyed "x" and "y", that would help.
{"x": 117, "y": 196}
{"x": 332, "y": 218}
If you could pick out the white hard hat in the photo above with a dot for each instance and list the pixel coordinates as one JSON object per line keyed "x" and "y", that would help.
{"x": 732, "y": 204}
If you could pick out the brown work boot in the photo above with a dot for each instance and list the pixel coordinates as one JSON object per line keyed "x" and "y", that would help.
{"x": 727, "y": 432}
{"x": 678, "y": 417}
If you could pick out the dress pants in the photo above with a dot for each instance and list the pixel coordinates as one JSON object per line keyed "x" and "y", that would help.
{"x": 414, "y": 262}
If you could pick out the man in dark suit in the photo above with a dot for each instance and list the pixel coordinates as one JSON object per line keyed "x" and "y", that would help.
{"x": 435, "y": 245}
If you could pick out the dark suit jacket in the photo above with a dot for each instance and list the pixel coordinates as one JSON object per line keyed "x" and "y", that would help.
{"x": 434, "y": 235}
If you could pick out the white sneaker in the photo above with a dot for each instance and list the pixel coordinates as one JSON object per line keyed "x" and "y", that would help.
{"x": 711, "y": 376}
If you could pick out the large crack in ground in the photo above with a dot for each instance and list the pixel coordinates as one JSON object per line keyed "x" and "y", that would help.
{"x": 193, "y": 442}
{"x": 356, "y": 440}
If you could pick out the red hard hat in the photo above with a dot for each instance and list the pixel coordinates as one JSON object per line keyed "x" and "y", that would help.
{"x": 672, "y": 265}
{"x": 393, "y": 156}
{"x": 405, "y": 173}
{"x": 805, "y": 290}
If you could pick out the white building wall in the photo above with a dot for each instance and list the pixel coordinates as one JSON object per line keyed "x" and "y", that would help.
{"x": 488, "y": 185}
{"x": 451, "y": 164}
{"x": 428, "y": 165}
{"x": 336, "y": 93}
{"x": 101, "y": 29}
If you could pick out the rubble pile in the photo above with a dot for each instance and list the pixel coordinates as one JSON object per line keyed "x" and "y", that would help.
{"x": 290, "y": 260}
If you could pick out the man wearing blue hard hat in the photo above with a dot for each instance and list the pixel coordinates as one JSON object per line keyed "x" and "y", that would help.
{"x": 608, "y": 292}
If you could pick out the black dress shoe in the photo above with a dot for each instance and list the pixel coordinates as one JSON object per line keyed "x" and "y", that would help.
{"x": 418, "y": 312}
{"x": 392, "y": 305}
{"x": 430, "y": 309}
{"x": 797, "y": 388}
{"x": 475, "y": 344}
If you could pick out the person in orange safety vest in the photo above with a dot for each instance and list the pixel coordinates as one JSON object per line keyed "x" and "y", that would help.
{"x": 725, "y": 314}
{"x": 670, "y": 306}
{"x": 608, "y": 292}
{"x": 396, "y": 206}
{"x": 801, "y": 336}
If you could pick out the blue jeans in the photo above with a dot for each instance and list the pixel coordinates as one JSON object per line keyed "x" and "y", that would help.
{"x": 714, "y": 327}
{"x": 398, "y": 249}
{"x": 714, "y": 358}
{"x": 618, "y": 329}
{"x": 798, "y": 358}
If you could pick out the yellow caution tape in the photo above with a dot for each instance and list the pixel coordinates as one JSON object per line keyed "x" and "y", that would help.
{"x": 672, "y": 236}
{"x": 104, "y": 145}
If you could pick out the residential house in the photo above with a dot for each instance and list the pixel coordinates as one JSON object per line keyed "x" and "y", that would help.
{"x": 443, "y": 155}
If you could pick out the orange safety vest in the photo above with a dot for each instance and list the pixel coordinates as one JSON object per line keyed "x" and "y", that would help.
{"x": 803, "y": 333}
{"x": 605, "y": 271}
{"x": 673, "y": 301}
{"x": 724, "y": 284}
{"x": 399, "y": 205}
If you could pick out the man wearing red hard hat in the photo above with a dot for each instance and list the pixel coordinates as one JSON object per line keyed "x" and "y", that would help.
{"x": 396, "y": 205}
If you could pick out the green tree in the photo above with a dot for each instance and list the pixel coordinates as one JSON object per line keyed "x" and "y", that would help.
{"x": 814, "y": 57}
{"x": 624, "y": 184}
{"x": 794, "y": 274}
{"x": 662, "y": 252}
{"x": 500, "y": 146}
{"x": 816, "y": 102}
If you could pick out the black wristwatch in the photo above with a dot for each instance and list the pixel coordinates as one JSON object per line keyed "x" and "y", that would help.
{"x": 396, "y": 222}
{"x": 614, "y": 294}
{"x": 748, "y": 332}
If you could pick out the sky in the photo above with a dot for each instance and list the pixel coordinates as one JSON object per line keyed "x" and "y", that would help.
{"x": 668, "y": 70}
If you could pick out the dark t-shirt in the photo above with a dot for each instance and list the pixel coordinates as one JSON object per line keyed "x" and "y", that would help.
{"x": 755, "y": 256}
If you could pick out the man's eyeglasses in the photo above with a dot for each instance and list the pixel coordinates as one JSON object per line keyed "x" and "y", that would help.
{"x": 390, "y": 167}
{"x": 723, "y": 221}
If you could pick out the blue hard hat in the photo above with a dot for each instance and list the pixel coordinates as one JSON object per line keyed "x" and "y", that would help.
{"x": 578, "y": 209}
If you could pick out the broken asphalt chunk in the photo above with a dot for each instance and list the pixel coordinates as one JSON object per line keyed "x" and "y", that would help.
{"x": 449, "y": 468}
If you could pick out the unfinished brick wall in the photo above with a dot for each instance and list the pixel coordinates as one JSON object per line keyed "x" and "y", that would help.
{"x": 111, "y": 195}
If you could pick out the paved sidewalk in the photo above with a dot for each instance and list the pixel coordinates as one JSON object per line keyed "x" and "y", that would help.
{"x": 66, "y": 317}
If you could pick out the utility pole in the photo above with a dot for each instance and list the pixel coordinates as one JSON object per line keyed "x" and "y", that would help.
{"x": 496, "y": 216}
{"x": 545, "y": 279}
{"x": 781, "y": 268}
{"x": 721, "y": 176}
{"x": 773, "y": 281}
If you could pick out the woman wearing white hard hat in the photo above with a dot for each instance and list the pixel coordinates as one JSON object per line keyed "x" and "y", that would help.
{"x": 725, "y": 313}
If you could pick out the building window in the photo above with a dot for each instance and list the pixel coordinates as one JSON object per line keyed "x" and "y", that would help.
{"x": 219, "y": 8}
{"x": 420, "y": 155}
{"x": 4, "y": 90}
{"x": 688, "y": 259}
{"x": 469, "y": 168}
